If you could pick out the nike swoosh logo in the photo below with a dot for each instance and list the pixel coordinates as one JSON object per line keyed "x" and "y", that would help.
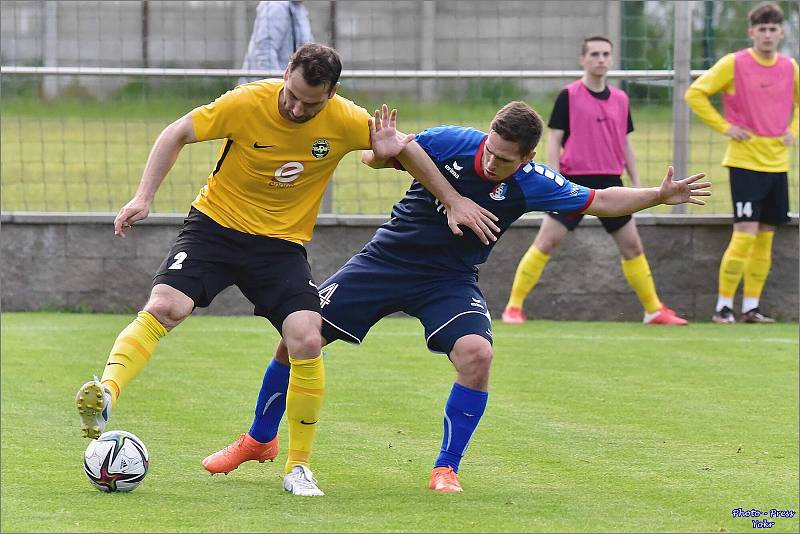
{"x": 304, "y": 423}
{"x": 256, "y": 145}
{"x": 115, "y": 363}
{"x": 271, "y": 399}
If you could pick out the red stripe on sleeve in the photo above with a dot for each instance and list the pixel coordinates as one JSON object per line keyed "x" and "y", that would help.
{"x": 588, "y": 201}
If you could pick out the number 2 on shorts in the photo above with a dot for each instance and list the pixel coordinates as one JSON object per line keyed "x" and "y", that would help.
{"x": 178, "y": 264}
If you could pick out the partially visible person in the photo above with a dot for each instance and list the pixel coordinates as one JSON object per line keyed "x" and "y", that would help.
{"x": 280, "y": 28}
{"x": 760, "y": 100}
{"x": 282, "y": 142}
{"x": 590, "y": 144}
{"x": 412, "y": 264}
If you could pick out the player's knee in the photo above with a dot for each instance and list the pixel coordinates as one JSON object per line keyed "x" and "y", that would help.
{"x": 167, "y": 312}
{"x": 483, "y": 359}
{"x": 473, "y": 356}
{"x": 632, "y": 250}
{"x": 546, "y": 244}
{"x": 304, "y": 343}
{"x": 302, "y": 334}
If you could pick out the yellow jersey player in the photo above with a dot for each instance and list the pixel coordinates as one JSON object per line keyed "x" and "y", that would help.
{"x": 760, "y": 98}
{"x": 247, "y": 226}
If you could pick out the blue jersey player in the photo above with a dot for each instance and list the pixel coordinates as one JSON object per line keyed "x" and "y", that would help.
{"x": 416, "y": 265}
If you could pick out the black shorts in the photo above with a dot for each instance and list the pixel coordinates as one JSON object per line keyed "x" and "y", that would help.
{"x": 759, "y": 196}
{"x": 272, "y": 273}
{"x": 595, "y": 181}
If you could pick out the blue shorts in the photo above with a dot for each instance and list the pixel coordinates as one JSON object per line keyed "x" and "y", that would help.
{"x": 368, "y": 288}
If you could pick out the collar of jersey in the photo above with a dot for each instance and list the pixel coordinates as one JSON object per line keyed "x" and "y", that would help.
{"x": 760, "y": 60}
{"x": 478, "y": 158}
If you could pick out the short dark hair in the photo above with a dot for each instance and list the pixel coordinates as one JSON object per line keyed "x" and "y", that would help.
{"x": 592, "y": 38}
{"x": 321, "y": 64}
{"x": 766, "y": 13}
{"x": 519, "y": 123}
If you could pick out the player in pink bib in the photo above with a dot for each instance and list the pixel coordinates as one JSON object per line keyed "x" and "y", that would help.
{"x": 589, "y": 144}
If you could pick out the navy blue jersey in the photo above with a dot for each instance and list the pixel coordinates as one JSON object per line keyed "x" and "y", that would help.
{"x": 417, "y": 232}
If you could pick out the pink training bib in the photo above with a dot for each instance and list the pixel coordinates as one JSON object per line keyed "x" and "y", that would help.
{"x": 597, "y": 132}
{"x": 763, "y": 99}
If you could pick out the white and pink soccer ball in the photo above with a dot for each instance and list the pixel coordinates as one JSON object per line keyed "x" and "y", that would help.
{"x": 116, "y": 461}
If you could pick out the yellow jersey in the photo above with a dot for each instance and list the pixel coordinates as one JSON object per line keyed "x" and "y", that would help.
{"x": 271, "y": 173}
{"x": 759, "y": 153}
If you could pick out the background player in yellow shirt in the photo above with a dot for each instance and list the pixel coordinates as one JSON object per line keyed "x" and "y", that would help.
{"x": 760, "y": 97}
{"x": 247, "y": 226}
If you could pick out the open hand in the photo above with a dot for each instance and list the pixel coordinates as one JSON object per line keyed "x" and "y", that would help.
{"x": 479, "y": 220}
{"x": 383, "y": 135}
{"x": 738, "y": 133}
{"x": 685, "y": 190}
{"x": 133, "y": 211}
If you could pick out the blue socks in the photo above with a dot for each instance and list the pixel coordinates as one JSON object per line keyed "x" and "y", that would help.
{"x": 271, "y": 402}
{"x": 462, "y": 413}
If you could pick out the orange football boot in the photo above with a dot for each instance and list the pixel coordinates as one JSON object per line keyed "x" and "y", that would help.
{"x": 666, "y": 316}
{"x": 445, "y": 480}
{"x": 242, "y": 450}
{"x": 512, "y": 315}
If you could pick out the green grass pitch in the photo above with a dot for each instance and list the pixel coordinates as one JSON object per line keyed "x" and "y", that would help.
{"x": 590, "y": 427}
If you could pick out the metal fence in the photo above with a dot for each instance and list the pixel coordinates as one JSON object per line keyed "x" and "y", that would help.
{"x": 88, "y": 86}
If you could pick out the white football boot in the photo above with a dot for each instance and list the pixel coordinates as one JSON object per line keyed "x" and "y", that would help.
{"x": 301, "y": 482}
{"x": 94, "y": 406}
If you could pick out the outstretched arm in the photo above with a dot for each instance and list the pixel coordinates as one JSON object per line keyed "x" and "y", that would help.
{"x": 616, "y": 201}
{"x": 162, "y": 157}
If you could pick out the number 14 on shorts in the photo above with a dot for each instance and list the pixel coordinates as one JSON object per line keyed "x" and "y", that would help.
{"x": 744, "y": 209}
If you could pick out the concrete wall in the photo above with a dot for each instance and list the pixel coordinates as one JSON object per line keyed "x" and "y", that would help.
{"x": 73, "y": 261}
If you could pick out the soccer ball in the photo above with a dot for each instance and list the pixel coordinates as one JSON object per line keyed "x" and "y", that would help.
{"x": 116, "y": 461}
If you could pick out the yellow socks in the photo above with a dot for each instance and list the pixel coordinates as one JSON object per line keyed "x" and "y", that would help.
{"x": 637, "y": 273}
{"x": 732, "y": 265}
{"x": 757, "y": 268}
{"x": 131, "y": 352}
{"x": 529, "y": 271}
{"x": 303, "y": 404}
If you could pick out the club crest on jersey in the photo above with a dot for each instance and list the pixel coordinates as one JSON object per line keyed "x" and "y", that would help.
{"x": 320, "y": 148}
{"x": 499, "y": 192}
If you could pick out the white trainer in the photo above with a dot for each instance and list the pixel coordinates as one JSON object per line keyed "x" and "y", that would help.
{"x": 94, "y": 406}
{"x": 301, "y": 482}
